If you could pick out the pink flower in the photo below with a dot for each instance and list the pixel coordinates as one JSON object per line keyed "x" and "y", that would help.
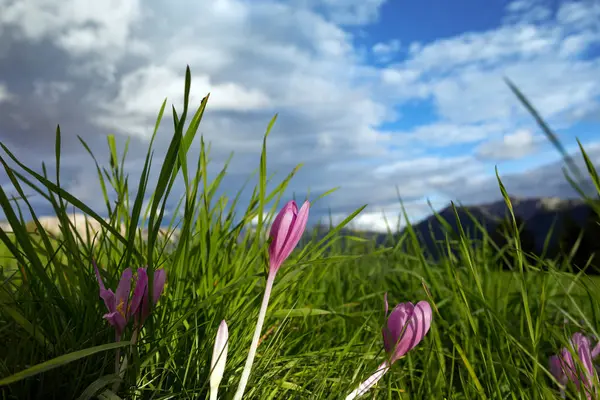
{"x": 140, "y": 295}
{"x": 557, "y": 371}
{"x": 286, "y": 231}
{"x": 406, "y": 326}
{"x": 117, "y": 304}
{"x": 120, "y": 307}
{"x": 564, "y": 367}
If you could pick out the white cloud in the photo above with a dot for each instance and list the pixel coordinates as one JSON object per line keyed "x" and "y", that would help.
{"x": 113, "y": 63}
{"x": 51, "y": 91}
{"x": 385, "y": 51}
{"x": 154, "y": 82}
{"x": 445, "y": 133}
{"x": 347, "y": 12}
{"x": 512, "y": 146}
{"x": 4, "y": 93}
{"x": 528, "y": 11}
{"x": 463, "y": 74}
{"x": 583, "y": 13}
{"x": 77, "y": 26}
{"x": 380, "y": 219}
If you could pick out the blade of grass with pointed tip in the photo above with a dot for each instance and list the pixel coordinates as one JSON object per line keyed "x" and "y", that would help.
{"x": 60, "y": 361}
{"x": 552, "y": 137}
{"x": 66, "y": 195}
{"x": 99, "y": 384}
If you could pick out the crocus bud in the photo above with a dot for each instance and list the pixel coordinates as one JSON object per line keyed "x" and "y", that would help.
{"x": 557, "y": 370}
{"x": 596, "y": 351}
{"x": 586, "y": 380}
{"x": 219, "y": 358}
{"x": 406, "y": 326}
{"x": 286, "y": 231}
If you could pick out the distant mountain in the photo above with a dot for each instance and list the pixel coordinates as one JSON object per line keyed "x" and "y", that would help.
{"x": 540, "y": 216}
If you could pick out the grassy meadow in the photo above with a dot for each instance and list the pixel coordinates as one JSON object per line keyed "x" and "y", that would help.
{"x": 491, "y": 335}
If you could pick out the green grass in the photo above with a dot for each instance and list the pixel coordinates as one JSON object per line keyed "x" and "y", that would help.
{"x": 491, "y": 336}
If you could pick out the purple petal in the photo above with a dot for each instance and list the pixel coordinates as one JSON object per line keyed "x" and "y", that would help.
{"x": 279, "y": 233}
{"x": 286, "y": 232}
{"x": 141, "y": 286}
{"x": 107, "y": 295}
{"x": 160, "y": 277}
{"x": 123, "y": 290}
{"x": 395, "y": 325}
{"x": 109, "y": 299}
{"x": 289, "y": 207}
{"x": 298, "y": 227}
{"x": 596, "y": 351}
{"x": 582, "y": 345}
{"x": 568, "y": 366}
{"x": 117, "y": 320}
{"x": 98, "y": 275}
{"x": 417, "y": 328}
{"x": 556, "y": 370}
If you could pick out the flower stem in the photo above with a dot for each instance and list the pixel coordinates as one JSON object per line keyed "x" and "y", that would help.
{"x": 259, "y": 324}
{"x": 117, "y": 358}
{"x": 370, "y": 382}
{"x": 121, "y": 370}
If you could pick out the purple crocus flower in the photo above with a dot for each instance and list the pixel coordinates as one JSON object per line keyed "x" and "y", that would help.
{"x": 286, "y": 231}
{"x": 405, "y": 327}
{"x": 140, "y": 294}
{"x": 564, "y": 367}
{"x": 120, "y": 307}
{"x": 116, "y": 303}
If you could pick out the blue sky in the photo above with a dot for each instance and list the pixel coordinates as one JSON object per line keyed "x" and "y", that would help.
{"x": 372, "y": 95}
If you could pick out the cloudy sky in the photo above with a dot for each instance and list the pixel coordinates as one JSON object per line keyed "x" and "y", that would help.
{"x": 371, "y": 94}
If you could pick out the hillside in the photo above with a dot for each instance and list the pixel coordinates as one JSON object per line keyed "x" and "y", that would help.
{"x": 541, "y": 216}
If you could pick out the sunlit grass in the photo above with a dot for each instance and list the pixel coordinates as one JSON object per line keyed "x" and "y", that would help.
{"x": 491, "y": 336}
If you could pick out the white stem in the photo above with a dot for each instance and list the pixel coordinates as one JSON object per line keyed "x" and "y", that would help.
{"x": 252, "y": 353}
{"x": 219, "y": 358}
{"x": 370, "y": 382}
{"x": 214, "y": 394}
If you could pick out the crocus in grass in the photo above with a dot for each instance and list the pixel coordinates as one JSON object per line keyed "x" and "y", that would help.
{"x": 564, "y": 367}
{"x": 120, "y": 307}
{"x": 140, "y": 301}
{"x": 116, "y": 303}
{"x": 219, "y": 358}
{"x": 406, "y": 326}
{"x": 286, "y": 231}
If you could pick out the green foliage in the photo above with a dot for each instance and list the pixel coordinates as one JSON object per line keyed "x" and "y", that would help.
{"x": 491, "y": 336}
{"x": 504, "y": 239}
{"x": 580, "y": 244}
